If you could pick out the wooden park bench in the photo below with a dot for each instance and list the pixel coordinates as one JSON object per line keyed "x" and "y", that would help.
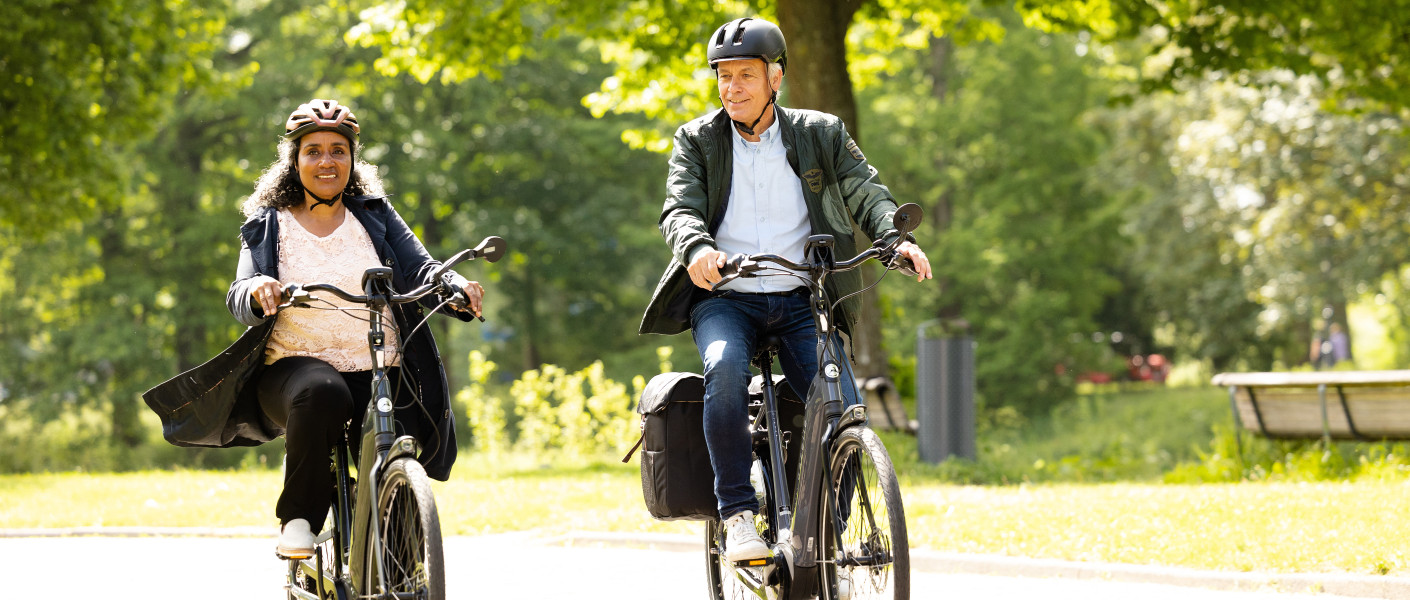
{"x": 1340, "y": 405}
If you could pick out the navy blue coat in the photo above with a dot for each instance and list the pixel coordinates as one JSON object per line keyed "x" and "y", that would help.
{"x": 215, "y": 404}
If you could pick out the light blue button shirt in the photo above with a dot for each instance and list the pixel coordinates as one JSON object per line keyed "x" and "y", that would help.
{"x": 766, "y": 212}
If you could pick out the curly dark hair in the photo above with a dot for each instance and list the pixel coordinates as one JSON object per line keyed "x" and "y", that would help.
{"x": 278, "y": 186}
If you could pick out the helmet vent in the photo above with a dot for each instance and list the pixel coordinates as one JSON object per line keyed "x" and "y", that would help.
{"x": 738, "y": 33}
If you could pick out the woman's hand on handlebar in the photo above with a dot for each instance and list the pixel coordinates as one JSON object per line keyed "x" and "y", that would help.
{"x": 475, "y": 296}
{"x": 705, "y": 269}
{"x": 266, "y": 291}
{"x": 920, "y": 263}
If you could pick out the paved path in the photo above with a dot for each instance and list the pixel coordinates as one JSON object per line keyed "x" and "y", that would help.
{"x": 515, "y": 566}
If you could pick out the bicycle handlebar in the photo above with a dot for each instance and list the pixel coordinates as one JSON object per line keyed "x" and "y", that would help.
{"x": 491, "y": 249}
{"x": 905, "y": 220}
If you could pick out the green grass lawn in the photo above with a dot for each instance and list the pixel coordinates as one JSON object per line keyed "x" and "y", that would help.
{"x": 1332, "y": 526}
{"x": 1088, "y": 483}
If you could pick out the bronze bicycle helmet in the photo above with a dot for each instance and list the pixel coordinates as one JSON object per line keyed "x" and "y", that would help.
{"x": 748, "y": 38}
{"x": 321, "y": 115}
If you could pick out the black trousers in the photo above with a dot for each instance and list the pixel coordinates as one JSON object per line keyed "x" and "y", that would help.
{"x": 313, "y": 402}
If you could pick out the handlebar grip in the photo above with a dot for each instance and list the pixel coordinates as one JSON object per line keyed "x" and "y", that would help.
{"x": 732, "y": 265}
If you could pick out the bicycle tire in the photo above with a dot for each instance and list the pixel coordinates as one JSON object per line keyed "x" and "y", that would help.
{"x": 411, "y": 535}
{"x": 724, "y": 582}
{"x": 873, "y": 561}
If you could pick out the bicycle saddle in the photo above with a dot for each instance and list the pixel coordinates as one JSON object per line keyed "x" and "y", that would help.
{"x": 768, "y": 346}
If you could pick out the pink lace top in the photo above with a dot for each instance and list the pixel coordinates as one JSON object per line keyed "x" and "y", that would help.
{"x": 339, "y": 338}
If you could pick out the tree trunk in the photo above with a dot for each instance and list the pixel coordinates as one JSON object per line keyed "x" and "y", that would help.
{"x": 126, "y": 430}
{"x": 175, "y": 194}
{"x": 817, "y": 78}
{"x": 941, "y": 214}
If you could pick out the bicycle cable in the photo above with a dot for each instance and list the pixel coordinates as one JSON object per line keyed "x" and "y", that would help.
{"x": 392, "y": 328}
{"x": 416, "y": 398}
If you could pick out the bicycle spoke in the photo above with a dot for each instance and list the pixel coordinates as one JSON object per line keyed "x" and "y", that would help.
{"x": 410, "y": 552}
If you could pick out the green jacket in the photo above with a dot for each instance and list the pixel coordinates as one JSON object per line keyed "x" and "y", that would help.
{"x": 838, "y": 187}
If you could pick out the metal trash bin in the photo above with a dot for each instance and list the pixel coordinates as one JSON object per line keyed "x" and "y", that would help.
{"x": 945, "y": 397}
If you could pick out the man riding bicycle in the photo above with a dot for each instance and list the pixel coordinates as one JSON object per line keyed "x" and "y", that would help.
{"x": 755, "y": 177}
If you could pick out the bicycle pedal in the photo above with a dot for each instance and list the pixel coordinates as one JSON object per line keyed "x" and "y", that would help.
{"x": 754, "y": 563}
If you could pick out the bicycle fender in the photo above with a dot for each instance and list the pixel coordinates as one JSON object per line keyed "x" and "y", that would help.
{"x": 854, "y": 415}
{"x": 403, "y": 446}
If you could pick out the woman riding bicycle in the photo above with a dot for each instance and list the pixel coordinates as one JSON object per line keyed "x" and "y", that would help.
{"x": 305, "y": 373}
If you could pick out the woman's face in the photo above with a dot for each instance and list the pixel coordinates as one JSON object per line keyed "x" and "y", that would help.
{"x": 325, "y": 163}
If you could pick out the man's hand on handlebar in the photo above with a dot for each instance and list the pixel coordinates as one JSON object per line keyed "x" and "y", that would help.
{"x": 918, "y": 260}
{"x": 705, "y": 269}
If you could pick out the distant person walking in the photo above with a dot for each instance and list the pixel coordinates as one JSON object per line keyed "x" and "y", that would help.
{"x": 1334, "y": 348}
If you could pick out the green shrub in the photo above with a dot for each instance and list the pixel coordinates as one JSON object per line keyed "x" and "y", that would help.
{"x": 79, "y": 438}
{"x": 1116, "y": 433}
{"x": 580, "y": 413}
{"x": 1253, "y": 458}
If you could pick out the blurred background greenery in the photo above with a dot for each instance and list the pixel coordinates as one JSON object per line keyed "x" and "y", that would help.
{"x": 1102, "y": 179}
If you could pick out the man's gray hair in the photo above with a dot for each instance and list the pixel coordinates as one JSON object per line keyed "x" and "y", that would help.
{"x": 775, "y": 68}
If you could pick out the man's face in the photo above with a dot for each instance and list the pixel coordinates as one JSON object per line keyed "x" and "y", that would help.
{"x": 744, "y": 87}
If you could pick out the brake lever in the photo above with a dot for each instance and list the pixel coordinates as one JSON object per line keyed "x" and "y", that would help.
{"x": 293, "y": 295}
{"x": 728, "y": 278}
{"x": 457, "y": 299}
{"x": 902, "y": 263}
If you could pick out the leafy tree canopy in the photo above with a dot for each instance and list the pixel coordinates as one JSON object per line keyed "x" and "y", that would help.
{"x": 79, "y": 78}
{"x": 1357, "y": 47}
{"x": 656, "y": 46}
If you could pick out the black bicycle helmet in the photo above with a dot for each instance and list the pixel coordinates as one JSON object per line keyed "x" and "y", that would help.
{"x": 748, "y": 38}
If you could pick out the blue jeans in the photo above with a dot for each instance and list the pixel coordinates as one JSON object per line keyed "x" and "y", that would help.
{"x": 727, "y": 328}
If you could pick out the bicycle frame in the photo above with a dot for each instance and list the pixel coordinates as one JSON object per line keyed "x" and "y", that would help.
{"x": 797, "y": 517}
{"x": 825, "y": 414}
{"x": 379, "y": 446}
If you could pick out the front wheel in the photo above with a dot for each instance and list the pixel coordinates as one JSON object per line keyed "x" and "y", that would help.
{"x": 409, "y": 550}
{"x": 863, "y": 524}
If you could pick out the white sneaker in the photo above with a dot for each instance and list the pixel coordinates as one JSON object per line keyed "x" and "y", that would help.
{"x": 742, "y": 541}
{"x": 296, "y": 540}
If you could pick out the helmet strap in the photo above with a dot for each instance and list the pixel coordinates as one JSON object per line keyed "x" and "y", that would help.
{"x": 330, "y": 201}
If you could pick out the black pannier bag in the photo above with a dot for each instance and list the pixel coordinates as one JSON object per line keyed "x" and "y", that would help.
{"x": 677, "y": 481}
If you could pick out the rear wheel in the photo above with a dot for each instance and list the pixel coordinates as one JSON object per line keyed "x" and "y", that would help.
{"x": 410, "y": 546}
{"x": 864, "y": 526}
